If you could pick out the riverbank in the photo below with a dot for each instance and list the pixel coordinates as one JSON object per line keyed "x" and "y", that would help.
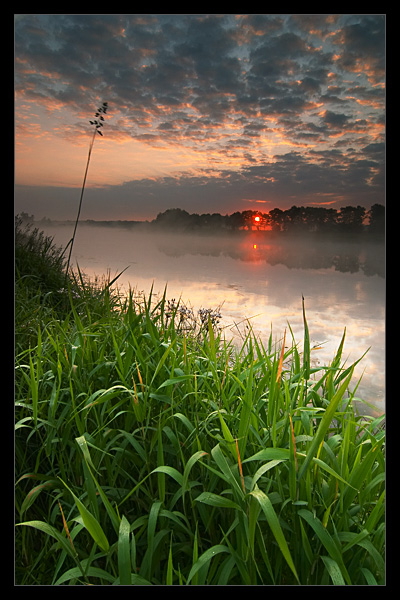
{"x": 147, "y": 453}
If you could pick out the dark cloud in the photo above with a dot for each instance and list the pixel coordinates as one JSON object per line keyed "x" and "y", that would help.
{"x": 309, "y": 80}
{"x": 366, "y": 39}
{"x": 336, "y": 120}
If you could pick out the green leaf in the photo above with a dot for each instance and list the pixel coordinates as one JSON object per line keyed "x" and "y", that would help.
{"x": 376, "y": 513}
{"x": 189, "y": 465}
{"x": 333, "y": 569}
{"x": 205, "y": 558}
{"x": 359, "y": 474}
{"x": 82, "y": 443}
{"x": 306, "y": 351}
{"x": 274, "y": 524}
{"x": 270, "y": 454}
{"x": 90, "y": 523}
{"x": 175, "y": 380}
{"x": 163, "y": 359}
{"x": 245, "y": 412}
{"x": 160, "y": 461}
{"x": 75, "y": 573}
{"x": 32, "y": 495}
{"x": 222, "y": 463}
{"x": 124, "y": 556}
{"x": 228, "y": 437}
{"x": 368, "y": 576}
{"x": 329, "y": 469}
{"x": 171, "y": 471}
{"x": 306, "y": 544}
{"x": 216, "y": 500}
{"x": 263, "y": 469}
{"x": 326, "y": 539}
{"x": 170, "y": 567}
{"x": 49, "y": 530}
{"x": 110, "y": 510}
{"x": 324, "y": 424}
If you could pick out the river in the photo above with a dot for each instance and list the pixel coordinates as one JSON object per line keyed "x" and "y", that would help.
{"x": 257, "y": 279}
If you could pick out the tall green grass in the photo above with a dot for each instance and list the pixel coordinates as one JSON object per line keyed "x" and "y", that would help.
{"x": 145, "y": 455}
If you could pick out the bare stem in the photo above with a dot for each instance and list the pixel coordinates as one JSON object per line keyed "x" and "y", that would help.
{"x": 80, "y": 203}
{"x": 98, "y": 124}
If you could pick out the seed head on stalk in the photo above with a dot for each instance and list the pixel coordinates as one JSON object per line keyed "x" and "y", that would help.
{"x": 98, "y": 124}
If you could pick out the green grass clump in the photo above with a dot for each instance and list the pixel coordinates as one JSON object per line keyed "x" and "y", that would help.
{"x": 145, "y": 454}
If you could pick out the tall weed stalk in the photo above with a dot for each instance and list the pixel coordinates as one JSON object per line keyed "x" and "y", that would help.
{"x": 98, "y": 124}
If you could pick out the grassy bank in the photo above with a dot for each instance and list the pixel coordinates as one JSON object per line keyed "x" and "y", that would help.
{"x": 149, "y": 454}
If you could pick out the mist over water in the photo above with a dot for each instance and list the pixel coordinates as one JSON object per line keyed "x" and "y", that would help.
{"x": 259, "y": 279}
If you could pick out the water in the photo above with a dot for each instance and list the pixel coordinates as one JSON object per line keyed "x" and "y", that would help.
{"x": 259, "y": 278}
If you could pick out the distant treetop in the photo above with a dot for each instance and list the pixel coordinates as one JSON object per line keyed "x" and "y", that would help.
{"x": 350, "y": 219}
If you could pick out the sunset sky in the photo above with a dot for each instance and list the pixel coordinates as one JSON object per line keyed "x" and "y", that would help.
{"x": 209, "y": 113}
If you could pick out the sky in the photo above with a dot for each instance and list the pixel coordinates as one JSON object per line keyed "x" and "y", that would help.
{"x": 206, "y": 112}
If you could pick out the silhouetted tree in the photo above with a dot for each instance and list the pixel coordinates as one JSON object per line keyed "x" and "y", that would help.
{"x": 277, "y": 219}
{"x": 294, "y": 219}
{"x": 174, "y": 218}
{"x": 248, "y": 218}
{"x": 350, "y": 218}
{"x": 319, "y": 218}
{"x": 377, "y": 219}
{"x": 236, "y": 220}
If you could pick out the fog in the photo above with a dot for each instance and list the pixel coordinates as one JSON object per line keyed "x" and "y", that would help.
{"x": 258, "y": 277}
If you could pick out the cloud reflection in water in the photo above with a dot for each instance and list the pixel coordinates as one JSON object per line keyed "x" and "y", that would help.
{"x": 261, "y": 279}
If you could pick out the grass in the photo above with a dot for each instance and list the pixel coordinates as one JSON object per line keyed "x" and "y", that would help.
{"x": 151, "y": 453}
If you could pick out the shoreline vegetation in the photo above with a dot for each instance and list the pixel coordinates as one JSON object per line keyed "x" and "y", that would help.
{"x": 149, "y": 450}
{"x": 351, "y": 221}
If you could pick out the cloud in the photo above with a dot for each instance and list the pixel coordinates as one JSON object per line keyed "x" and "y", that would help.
{"x": 297, "y": 100}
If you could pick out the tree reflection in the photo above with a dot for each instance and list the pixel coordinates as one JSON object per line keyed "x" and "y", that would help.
{"x": 346, "y": 257}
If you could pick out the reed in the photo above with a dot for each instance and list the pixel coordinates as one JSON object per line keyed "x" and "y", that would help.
{"x": 182, "y": 459}
{"x": 97, "y": 125}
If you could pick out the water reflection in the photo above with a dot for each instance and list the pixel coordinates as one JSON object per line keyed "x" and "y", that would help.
{"x": 294, "y": 253}
{"x": 260, "y": 279}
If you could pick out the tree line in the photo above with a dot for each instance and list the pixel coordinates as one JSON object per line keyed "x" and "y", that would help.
{"x": 297, "y": 219}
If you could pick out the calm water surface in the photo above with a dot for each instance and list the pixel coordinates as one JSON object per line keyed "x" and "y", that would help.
{"x": 259, "y": 278}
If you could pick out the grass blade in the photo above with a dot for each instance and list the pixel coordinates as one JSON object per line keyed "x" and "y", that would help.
{"x": 227, "y": 435}
{"x": 170, "y": 567}
{"x": 90, "y": 523}
{"x": 222, "y": 463}
{"x": 216, "y": 500}
{"x": 124, "y": 556}
{"x": 333, "y": 569}
{"x": 171, "y": 471}
{"x": 306, "y": 350}
{"x": 359, "y": 474}
{"x": 110, "y": 510}
{"x": 326, "y": 540}
{"x": 324, "y": 424}
{"x": 76, "y": 573}
{"x": 51, "y": 531}
{"x": 205, "y": 558}
{"x": 370, "y": 579}
{"x": 278, "y": 375}
{"x": 276, "y": 529}
{"x": 192, "y": 460}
